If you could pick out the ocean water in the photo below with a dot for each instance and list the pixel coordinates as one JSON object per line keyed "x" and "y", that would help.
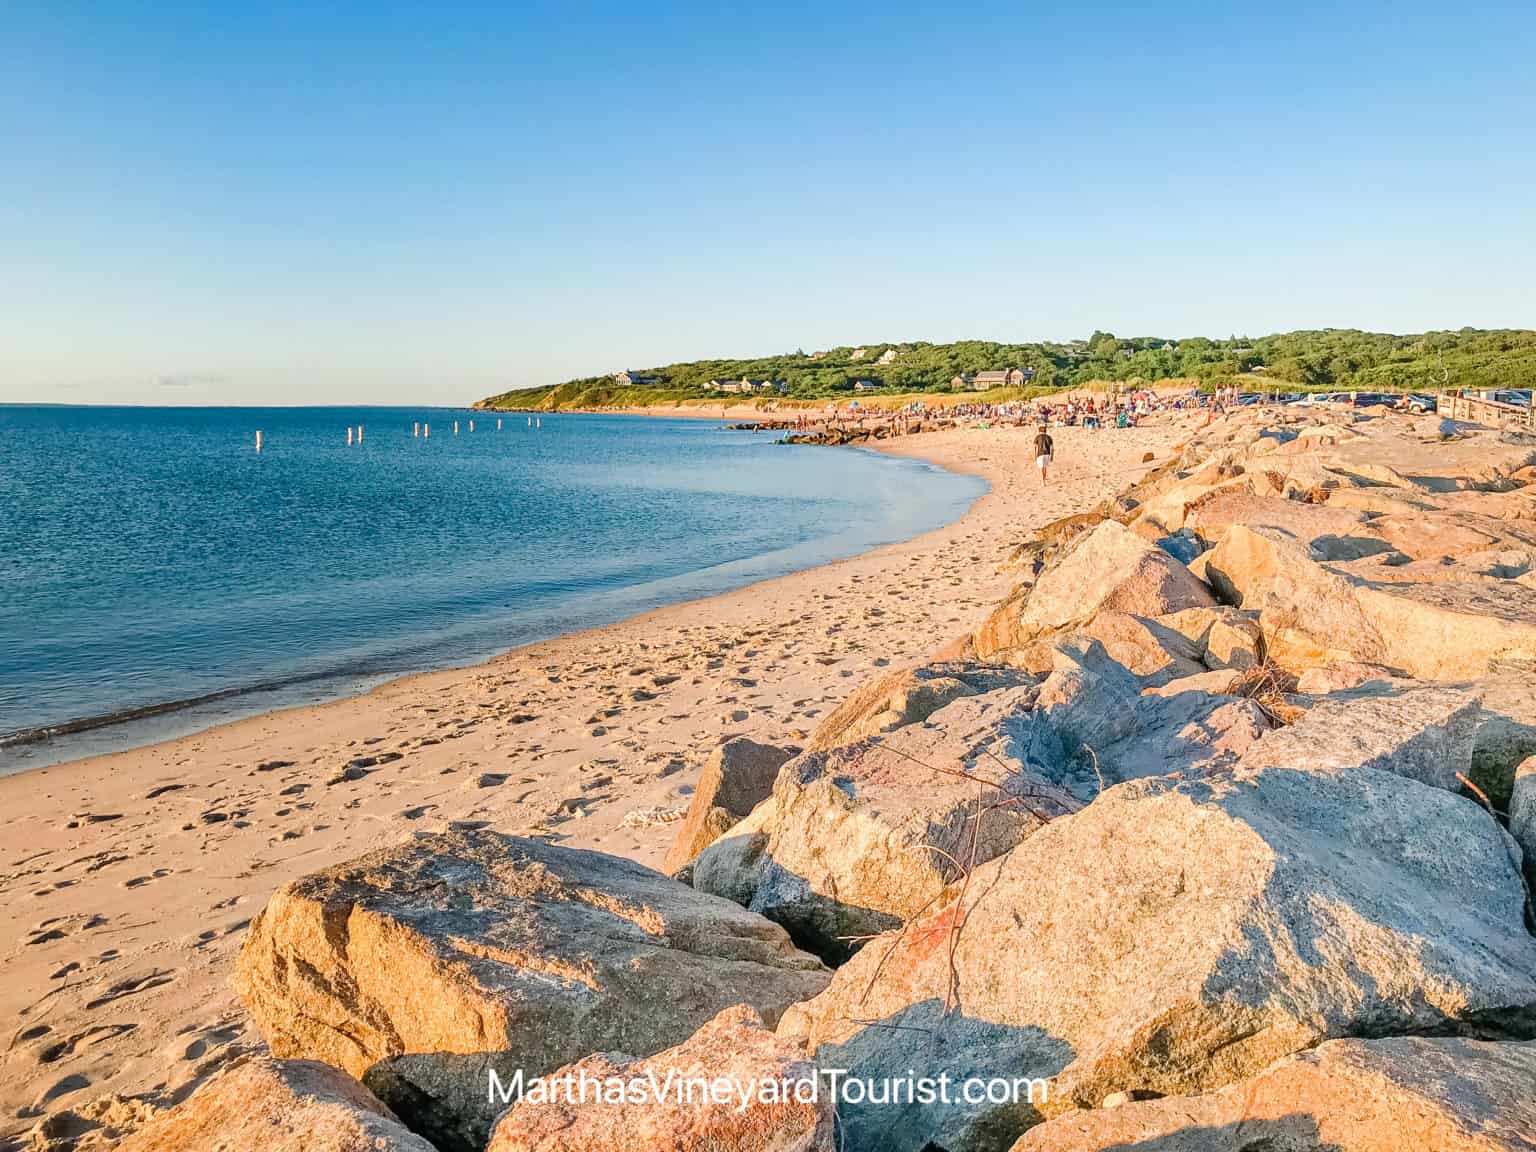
{"x": 158, "y": 575}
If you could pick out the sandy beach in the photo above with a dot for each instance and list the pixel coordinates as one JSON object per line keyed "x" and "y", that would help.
{"x": 126, "y": 881}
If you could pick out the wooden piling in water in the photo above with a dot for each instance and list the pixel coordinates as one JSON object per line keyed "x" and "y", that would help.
{"x": 471, "y": 425}
{"x": 349, "y": 433}
{"x": 498, "y": 423}
{"x": 359, "y": 433}
{"x": 258, "y": 439}
{"x": 455, "y": 427}
{"x": 426, "y": 431}
{"x": 416, "y": 428}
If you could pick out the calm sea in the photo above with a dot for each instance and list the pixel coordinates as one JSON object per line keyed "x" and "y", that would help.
{"x": 151, "y": 557}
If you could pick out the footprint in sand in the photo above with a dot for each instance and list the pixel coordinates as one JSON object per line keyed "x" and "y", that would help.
{"x": 132, "y": 986}
{"x": 204, "y": 1039}
{"x": 61, "y": 927}
{"x": 63, "y": 1087}
{"x": 56, "y": 1050}
{"x": 54, "y": 887}
{"x": 140, "y": 881}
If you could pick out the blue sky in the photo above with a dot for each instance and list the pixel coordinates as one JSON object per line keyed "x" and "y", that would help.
{"x": 291, "y": 203}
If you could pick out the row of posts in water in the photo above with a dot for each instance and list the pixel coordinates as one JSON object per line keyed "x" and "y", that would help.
{"x": 419, "y": 429}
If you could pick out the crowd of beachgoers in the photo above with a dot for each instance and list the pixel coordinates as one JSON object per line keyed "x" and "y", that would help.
{"x": 1091, "y": 411}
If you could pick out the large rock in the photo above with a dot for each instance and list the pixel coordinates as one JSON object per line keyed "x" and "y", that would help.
{"x": 1168, "y": 510}
{"x": 1002, "y": 630}
{"x": 1522, "y": 816}
{"x": 1223, "y": 637}
{"x": 1452, "y": 631}
{"x": 1489, "y": 568}
{"x": 1341, "y": 676}
{"x": 1113, "y": 728}
{"x": 681, "y": 1115}
{"x": 907, "y": 696}
{"x": 1423, "y": 733}
{"x": 1343, "y": 1096}
{"x": 1177, "y": 936}
{"x": 1311, "y": 524}
{"x": 277, "y": 1106}
{"x": 1507, "y": 734}
{"x": 1144, "y": 647}
{"x": 1436, "y": 535}
{"x": 420, "y": 967}
{"x": 1312, "y": 615}
{"x": 857, "y": 839}
{"x": 732, "y": 866}
{"x": 1109, "y": 569}
{"x": 1432, "y": 464}
{"x": 737, "y": 777}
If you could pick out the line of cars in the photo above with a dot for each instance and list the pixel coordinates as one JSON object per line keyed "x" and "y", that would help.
{"x": 1417, "y": 402}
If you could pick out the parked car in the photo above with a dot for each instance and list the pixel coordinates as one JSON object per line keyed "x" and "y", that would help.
{"x": 1519, "y": 397}
{"x": 1418, "y": 403}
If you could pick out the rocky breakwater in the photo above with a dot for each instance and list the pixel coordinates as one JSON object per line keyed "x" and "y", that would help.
{"x": 1204, "y": 836}
{"x": 422, "y": 968}
{"x": 835, "y": 435}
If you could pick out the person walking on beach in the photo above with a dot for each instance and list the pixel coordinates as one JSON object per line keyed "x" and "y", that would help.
{"x": 1044, "y": 447}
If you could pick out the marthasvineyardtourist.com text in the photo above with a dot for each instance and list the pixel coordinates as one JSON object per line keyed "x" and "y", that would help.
{"x": 580, "y": 1087}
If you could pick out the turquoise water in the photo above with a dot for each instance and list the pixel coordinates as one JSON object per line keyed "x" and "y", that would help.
{"x": 151, "y": 557}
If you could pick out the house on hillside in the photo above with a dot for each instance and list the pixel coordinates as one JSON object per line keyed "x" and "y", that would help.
{"x": 815, "y": 355}
{"x": 858, "y": 354}
{"x": 888, "y": 356}
{"x": 867, "y": 385}
{"x": 1004, "y": 378}
{"x": 745, "y": 386}
{"x": 630, "y": 379}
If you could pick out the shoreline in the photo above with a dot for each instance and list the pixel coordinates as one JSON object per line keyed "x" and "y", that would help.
{"x": 163, "y": 722}
{"x": 130, "y": 877}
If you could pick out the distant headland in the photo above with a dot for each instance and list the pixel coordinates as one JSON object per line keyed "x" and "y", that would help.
{"x": 1328, "y": 358}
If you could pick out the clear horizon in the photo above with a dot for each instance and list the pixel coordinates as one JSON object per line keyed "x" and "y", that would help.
{"x": 390, "y": 204}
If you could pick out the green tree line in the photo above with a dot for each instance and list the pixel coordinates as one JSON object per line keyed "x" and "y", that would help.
{"x": 1329, "y": 358}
